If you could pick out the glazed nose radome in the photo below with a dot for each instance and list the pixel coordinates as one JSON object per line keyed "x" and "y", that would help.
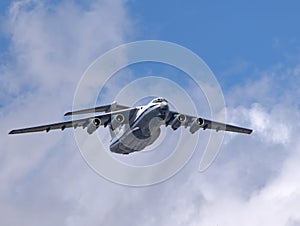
{"x": 164, "y": 105}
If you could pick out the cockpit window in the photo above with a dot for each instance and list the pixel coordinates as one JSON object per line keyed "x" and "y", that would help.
{"x": 159, "y": 100}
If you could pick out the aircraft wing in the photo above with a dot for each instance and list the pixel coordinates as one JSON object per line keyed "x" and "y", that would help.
{"x": 176, "y": 120}
{"x": 105, "y": 108}
{"x": 93, "y": 122}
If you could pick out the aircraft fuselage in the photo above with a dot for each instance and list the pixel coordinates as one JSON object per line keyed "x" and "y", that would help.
{"x": 141, "y": 131}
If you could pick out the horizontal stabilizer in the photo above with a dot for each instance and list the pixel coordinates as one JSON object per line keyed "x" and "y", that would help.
{"x": 105, "y": 108}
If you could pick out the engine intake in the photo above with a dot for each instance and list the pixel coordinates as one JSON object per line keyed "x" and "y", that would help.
{"x": 196, "y": 125}
{"x": 117, "y": 120}
{"x": 177, "y": 121}
{"x": 93, "y": 126}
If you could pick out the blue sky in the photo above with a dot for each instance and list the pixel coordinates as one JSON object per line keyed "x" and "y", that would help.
{"x": 251, "y": 30}
{"x": 252, "y": 47}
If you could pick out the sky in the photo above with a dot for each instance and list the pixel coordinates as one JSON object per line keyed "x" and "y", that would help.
{"x": 252, "y": 47}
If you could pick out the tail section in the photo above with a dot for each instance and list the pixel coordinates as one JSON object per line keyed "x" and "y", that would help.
{"x": 105, "y": 108}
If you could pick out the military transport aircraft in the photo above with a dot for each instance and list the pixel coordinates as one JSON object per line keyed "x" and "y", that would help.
{"x": 134, "y": 128}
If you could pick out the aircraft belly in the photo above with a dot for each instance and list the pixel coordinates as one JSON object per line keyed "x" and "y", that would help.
{"x": 131, "y": 143}
{"x": 128, "y": 145}
{"x": 143, "y": 133}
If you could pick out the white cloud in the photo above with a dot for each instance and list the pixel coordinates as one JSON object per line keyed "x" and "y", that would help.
{"x": 54, "y": 44}
{"x": 51, "y": 44}
{"x": 275, "y": 204}
{"x": 272, "y": 126}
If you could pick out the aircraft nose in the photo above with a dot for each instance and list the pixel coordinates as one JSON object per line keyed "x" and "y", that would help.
{"x": 164, "y": 110}
{"x": 164, "y": 106}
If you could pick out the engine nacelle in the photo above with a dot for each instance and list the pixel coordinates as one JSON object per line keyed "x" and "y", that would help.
{"x": 93, "y": 126}
{"x": 177, "y": 121}
{"x": 117, "y": 120}
{"x": 196, "y": 125}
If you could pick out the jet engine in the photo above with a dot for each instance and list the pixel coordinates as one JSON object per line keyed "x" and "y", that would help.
{"x": 117, "y": 120}
{"x": 177, "y": 121}
{"x": 196, "y": 125}
{"x": 93, "y": 126}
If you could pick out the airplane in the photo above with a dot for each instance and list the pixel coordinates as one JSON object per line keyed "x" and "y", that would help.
{"x": 134, "y": 128}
